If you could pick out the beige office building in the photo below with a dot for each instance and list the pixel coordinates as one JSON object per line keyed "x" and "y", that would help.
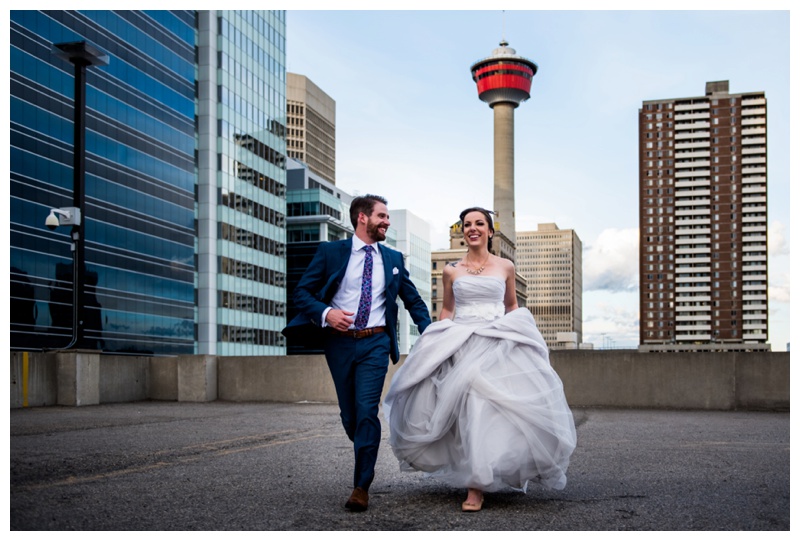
{"x": 703, "y": 221}
{"x": 551, "y": 260}
{"x": 311, "y": 126}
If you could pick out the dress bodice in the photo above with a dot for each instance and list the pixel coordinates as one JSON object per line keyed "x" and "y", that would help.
{"x": 479, "y": 297}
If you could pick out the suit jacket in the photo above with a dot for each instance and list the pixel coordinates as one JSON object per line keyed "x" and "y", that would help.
{"x": 321, "y": 280}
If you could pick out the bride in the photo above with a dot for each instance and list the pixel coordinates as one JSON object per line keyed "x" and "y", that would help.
{"x": 476, "y": 403}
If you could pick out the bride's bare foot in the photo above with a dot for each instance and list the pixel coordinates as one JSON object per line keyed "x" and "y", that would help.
{"x": 474, "y": 500}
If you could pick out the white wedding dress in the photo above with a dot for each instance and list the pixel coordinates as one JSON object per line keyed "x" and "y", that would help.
{"x": 476, "y": 403}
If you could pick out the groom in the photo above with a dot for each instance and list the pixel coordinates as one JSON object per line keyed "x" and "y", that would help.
{"x": 349, "y": 294}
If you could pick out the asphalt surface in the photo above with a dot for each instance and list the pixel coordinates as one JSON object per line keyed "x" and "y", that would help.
{"x": 288, "y": 467}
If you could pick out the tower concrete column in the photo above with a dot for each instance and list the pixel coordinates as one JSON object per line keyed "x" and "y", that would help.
{"x": 504, "y": 81}
{"x": 504, "y": 169}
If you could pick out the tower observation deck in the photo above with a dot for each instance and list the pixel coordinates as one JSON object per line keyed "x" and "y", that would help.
{"x": 504, "y": 81}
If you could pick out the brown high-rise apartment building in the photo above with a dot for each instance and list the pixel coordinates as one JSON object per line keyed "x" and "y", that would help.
{"x": 703, "y": 221}
{"x": 311, "y": 126}
{"x": 550, "y": 259}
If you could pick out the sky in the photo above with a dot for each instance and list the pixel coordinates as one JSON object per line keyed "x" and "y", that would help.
{"x": 410, "y": 126}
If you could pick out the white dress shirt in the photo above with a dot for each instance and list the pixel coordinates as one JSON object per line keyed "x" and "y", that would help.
{"x": 349, "y": 293}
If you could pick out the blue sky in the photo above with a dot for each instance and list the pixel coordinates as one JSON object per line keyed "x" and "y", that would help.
{"x": 410, "y": 125}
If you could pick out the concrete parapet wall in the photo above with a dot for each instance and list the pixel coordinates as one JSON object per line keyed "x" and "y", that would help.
{"x": 710, "y": 381}
{"x": 294, "y": 378}
{"x": 603, "y": 378}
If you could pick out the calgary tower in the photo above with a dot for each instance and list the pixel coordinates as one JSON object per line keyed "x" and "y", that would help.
{"x": 504, "y": 81}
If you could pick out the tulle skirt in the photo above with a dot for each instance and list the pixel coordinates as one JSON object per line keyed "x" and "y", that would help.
{"x": 477, "y": 404}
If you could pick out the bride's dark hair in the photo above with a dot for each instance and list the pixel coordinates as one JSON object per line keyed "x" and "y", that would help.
{"x": 486, "y": 213}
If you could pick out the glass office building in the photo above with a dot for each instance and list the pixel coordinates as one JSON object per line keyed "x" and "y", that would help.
{"x": 140, "y": 181}
{"x": 241, "y": 182}
{"x": 185, "y": 181}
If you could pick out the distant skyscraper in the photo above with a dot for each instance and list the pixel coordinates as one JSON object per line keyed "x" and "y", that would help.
{"x": 551, "y": 260}
{"x": 311, "y": 126}
{"x": 413, "y": 240}
{"x": 504, "y": 81}
{"x": 703, "y": 220}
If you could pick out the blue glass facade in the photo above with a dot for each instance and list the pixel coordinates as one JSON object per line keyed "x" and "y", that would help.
{"x": 140, "y": 180}
{"x": 242, "y": 182}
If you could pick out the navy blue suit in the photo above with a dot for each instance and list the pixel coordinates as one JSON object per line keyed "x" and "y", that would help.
{"x": 358, "y": 366}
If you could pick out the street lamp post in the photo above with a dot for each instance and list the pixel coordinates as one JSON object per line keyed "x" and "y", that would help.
{"x": 81, "y": 55}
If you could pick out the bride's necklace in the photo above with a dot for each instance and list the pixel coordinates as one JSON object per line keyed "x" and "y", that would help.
{"x": 476, "y": 271}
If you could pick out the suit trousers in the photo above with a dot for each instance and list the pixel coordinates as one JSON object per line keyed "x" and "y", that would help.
{"x": 358, "y": 368}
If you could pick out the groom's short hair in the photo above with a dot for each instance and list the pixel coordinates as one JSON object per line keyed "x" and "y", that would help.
{"x": 365, "y": 204}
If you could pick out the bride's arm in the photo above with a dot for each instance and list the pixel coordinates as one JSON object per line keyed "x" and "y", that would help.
{"x": 511, "y": 287}
{"x": 449, "y": 304}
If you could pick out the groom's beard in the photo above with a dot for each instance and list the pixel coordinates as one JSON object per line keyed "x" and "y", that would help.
{"x": 374, "y": 232}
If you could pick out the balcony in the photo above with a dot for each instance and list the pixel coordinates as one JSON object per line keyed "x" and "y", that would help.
{"x": 754, "y": 189}
{"x": 693, "y": 154}
{"x": 754, "y": 159}
{"x": 753, "y": 170}
{"x": 753, "y": 199}
{"x": 754, "y": 131}
{"x": 694, "y": 163}
{"x": 702, "y": 173}
{"x": 699, "y": 125}
{"x": 694, "y": 327}
{"x": 693, "y": 183}
{"x": 694, "y": 289}
{"x": 683, "y": 241}
{"x": 693, "y": 317}
{"x": 750, "y": 111}
{"x": 750, "y": 102}
{"x": 754, "y": 179}
{"x": 753, "y": 149}
{"x": 685, "y": 231}
{"x": 702, "y": 140}
{"x": 754, "y": 141}
{"x": 758, "y": 121}
{"x": 691, "y": 299}
{"x": 693, "y": 337}
{"x": 683, "y": 117}
{"x": 751, "y": 289}
{"x": 693, "y": 212}
{"x": 693, "y": 308}
{"x": 693, "y": 260}
{"x": 693, "y": 221}
{"x": 694, "y": 106}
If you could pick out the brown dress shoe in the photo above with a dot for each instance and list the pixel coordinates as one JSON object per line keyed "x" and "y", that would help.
{"x": 358, "y": 501}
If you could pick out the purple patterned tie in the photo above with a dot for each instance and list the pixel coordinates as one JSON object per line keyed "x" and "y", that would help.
{"x": 365, "y": 304}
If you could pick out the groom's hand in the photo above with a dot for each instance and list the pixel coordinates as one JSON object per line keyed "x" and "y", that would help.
{"x": 339, "y": 319}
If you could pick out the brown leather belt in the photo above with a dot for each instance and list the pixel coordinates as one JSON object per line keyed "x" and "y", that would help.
{"x": 364, "y": 333}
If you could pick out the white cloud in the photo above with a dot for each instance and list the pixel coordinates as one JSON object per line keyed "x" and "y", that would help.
{"x": 777, "y": 243}
{"x": 779, "y": 289}
{"x": 611, "y": 320}
{"x": 611, "y": 262}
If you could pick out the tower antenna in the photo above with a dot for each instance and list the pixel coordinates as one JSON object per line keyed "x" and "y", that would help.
{"x": 503, "y": 37}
